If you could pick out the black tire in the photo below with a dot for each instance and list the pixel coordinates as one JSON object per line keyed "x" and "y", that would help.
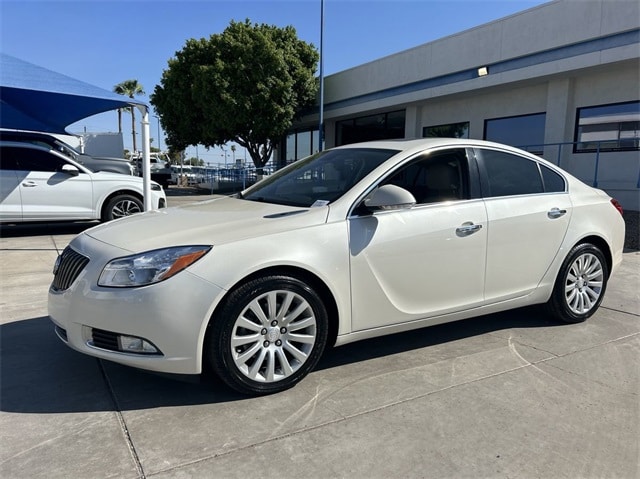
{"x": 580, "y": 285}
{"x": 122, "y": 205}
{"x": 275, "y": 347}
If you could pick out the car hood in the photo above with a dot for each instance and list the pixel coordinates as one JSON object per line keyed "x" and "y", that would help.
{"x": 215, "y": 221}
{"x": 110, "y": 158}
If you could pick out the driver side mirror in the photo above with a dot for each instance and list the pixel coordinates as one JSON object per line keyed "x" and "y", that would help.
{"x": 70, "y": 170}
{"x": 389, "y": 197}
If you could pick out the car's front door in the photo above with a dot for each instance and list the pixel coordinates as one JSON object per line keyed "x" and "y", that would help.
{"x": 528, "y": 210}
{"x": 425, "y": 261}
{"x": 10, "y": 201}
{"x": 48, "y": 191}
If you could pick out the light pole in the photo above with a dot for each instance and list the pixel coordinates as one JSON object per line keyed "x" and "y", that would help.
{"x": 321, "y": 122}
{"x": 159, "y": 142}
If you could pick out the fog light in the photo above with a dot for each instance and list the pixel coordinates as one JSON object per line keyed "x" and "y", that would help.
{"x": 131, "y": 344}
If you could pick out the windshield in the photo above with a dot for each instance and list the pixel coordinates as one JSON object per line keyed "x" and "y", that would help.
{"x": 318, "y": 179}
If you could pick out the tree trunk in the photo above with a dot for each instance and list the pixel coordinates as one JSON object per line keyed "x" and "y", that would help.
{"x": 120, "y": 120}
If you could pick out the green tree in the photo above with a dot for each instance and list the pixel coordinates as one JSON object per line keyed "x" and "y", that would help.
{"x": 245, "y": 85}
{"x": 129, "y": 88}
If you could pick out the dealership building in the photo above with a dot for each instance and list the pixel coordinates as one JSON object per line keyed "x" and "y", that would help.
{"x": 561, "y": 80}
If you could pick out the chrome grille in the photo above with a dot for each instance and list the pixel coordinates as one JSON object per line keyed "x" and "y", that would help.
{"x": 68, "y": 266}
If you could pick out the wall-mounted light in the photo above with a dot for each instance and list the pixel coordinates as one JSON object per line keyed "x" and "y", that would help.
{"x": 483, "y": 71}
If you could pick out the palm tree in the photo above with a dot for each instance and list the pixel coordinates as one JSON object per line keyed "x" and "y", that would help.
{"x": 129, "y": 88}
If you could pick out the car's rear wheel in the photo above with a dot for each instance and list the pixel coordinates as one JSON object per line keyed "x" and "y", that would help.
{"x": 122, "y": 205}
{"x": 268, "y": 335}
{"x": 580, "y": 285}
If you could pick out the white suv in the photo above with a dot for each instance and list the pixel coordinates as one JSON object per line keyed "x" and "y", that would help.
{"x": 40, "y": 184}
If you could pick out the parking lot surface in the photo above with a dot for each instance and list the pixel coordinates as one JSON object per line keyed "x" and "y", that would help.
{"x": 505, "y": 395}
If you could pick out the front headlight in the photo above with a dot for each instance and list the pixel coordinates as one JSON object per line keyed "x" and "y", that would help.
{"x": 149, "y": 267}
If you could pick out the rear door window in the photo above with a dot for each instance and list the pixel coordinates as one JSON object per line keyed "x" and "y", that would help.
{"x": 506, "y": 174}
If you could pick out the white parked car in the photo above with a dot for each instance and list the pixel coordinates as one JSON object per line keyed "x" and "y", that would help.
{"x": 38, "y": 183}
{"x": 354, "y": 242}
{"x": 93, "y": 163}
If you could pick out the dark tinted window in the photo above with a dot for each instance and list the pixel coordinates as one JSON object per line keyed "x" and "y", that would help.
{"x": 374, "y": 127}
{"x": 451, "y": 130}
{"x": 526, "y": 131}
{"x": 8, "y": 159}
{"x": 440, "y": 176}
{"x": 29, "y": 159}
{"x": 608, "y": 127}
{"x": 509, "y": 174}
{"x": 553, "y": 182}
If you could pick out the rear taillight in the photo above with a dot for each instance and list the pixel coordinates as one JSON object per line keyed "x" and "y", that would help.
{"x": 616, "y": 204}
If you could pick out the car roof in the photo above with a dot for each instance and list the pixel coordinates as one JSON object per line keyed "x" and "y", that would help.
{"x": 422, "y": 143}
{"x": 415, "y": 145}
{"x": 24, "y": 133}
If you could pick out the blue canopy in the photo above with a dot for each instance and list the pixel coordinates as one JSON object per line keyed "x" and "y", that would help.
{"x": 34, "y": 98}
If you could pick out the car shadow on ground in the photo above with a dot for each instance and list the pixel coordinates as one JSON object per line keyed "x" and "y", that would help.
{"x": 10, "y": 230}
{"x": 42, "y": 375}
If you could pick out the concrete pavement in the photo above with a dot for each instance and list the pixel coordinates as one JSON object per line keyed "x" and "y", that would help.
{"x": 506, "y": 395}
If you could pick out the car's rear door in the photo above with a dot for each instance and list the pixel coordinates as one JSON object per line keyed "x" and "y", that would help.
{"x": 528, "y": 213}
{"x": 425, "y": 261}
{"x": 50, "y": 193}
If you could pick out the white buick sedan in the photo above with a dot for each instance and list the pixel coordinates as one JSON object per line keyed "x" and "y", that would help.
{"x": 351, "y": 243}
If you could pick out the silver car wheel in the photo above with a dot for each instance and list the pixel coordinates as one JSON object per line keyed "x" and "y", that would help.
{"x": 584, "y": 282}
{"x": 125, "y": 207}
{"x": 273, "y": 336}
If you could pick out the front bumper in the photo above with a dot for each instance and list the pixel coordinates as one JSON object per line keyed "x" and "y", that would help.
{"x": 171, "y": 315}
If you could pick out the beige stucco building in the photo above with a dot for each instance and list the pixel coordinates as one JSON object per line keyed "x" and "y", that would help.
{"x": 561, "y": 79}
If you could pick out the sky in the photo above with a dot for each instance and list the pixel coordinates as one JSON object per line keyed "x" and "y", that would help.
{"x": 106, "y": 42}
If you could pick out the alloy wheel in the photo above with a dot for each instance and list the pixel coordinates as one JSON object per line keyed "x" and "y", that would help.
{"x": 583, "y": 284}
{"x": 273, "y": 336}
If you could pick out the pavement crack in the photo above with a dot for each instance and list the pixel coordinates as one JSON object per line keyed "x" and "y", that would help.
{"x": 123, "y": 425}
{"x": 620, "y": 311}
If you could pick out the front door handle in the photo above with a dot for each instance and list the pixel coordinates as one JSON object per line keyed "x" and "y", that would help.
{"x": 556, "y": 213}
{"x": 467, "y": 229}
{"x": 29, "y": 184}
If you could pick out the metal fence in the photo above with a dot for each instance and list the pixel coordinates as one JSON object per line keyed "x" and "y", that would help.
{"x": 597, "y": 148}
{"x": 223, "y": 178}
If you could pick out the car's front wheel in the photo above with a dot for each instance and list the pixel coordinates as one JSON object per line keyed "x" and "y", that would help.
{"x": 580, "y": 285}
{"x": 268, "y": 335}
{"x": 121, "y": 206}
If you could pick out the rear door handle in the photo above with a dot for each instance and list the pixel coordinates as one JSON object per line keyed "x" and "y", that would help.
{"x": 467, "y": 229}
{"x": 29, "y": 184}
{"x": 556, "y": 213}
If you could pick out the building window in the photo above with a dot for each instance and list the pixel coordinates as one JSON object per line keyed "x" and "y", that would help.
{"x": 300, "y": 144}
{"x": 452, "y": 130}
{"x": 614, "y": 127}
{"x": 525, "y": 131}
{"x": 383, "y": 126}
{"x": 290, "y": 153}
